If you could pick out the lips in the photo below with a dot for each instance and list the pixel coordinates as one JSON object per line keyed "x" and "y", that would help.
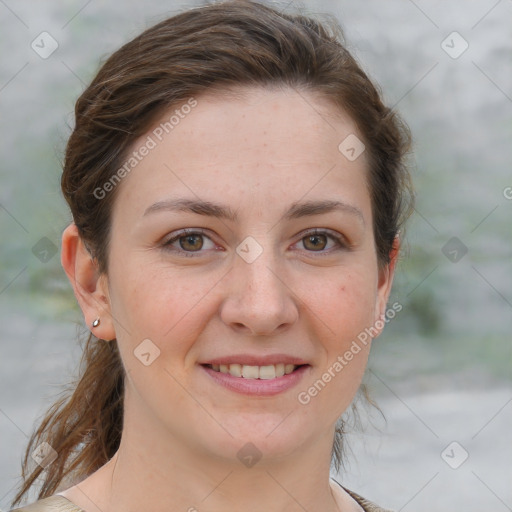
{"x": 263, "y": 384}
{"x": 262, "y": 375}
{"x": 254, "y": 360}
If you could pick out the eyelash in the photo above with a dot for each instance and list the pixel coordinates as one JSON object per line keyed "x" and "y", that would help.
{"x": 339, "y": 239}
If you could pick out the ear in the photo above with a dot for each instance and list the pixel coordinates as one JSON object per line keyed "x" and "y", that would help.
{"x": 91, "y": 288}
{"x": 385, "y": 282}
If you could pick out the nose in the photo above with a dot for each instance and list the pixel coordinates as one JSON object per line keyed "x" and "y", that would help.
{"x": 259, "y": 298}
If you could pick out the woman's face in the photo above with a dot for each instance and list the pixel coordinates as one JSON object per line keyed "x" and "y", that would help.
{"x": 270, "y": 273}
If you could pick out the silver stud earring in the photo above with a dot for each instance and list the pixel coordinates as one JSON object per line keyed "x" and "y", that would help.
{"x": 96, "y": 322}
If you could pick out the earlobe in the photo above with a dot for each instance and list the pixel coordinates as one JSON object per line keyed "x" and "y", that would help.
{"x": 89, "y": 286}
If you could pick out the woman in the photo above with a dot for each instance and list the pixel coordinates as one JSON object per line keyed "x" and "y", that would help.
{"x": 237, "y": 188}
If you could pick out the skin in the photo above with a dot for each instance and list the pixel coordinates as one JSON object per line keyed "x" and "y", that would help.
{"x": 257, "y": 152}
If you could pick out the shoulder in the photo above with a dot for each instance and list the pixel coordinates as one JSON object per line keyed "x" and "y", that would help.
{"x": 54, "y": 503}
{"x": 366, "y": 505}
{"x": 60, "y": 504}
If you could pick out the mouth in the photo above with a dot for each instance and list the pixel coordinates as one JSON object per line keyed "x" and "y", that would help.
{"x": 245, "y": 371}
{"x": 263, "y": 381}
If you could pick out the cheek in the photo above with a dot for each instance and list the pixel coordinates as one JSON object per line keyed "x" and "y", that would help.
{"x": 345, "y": 303}
{"x": 159, "y": 304}
{"x": 343, "y": 310}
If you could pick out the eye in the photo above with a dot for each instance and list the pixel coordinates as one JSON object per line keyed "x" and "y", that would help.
{"x": 189, "y": 242}
{"x": 317, "y": 240}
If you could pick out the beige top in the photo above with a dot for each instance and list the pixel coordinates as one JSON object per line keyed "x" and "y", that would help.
{"x": 58, "y": 503}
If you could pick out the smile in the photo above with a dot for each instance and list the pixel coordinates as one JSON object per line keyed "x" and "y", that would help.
{"x": 254, "y": 372}
{"x": 267, "y": 380}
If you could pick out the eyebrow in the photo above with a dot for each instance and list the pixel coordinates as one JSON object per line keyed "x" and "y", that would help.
{"x": 296, "y": 210}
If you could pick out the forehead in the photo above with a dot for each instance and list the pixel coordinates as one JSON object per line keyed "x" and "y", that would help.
{"x": 253, "y": 143}
{"x": 247, "y": 119}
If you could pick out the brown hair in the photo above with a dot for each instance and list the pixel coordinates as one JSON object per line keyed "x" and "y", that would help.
{"x": 218, "y": 46}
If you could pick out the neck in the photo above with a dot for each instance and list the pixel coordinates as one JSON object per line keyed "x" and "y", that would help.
{"x": 159, "y": 473}
{"x": 194, "y": 485}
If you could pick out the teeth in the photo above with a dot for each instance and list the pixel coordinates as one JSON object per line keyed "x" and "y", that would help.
{"x": 235, "y": 370}
{"x": 267, "y": 372}
{"x": 270, "y": 371}
{"x": 250, "y": 372}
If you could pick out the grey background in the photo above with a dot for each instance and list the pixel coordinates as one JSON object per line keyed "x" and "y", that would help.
{"x": 441, "y": 372}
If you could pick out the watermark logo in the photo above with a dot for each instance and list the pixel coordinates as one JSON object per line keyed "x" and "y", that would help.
{"x": 352, "y": 147}
{"x": 249, "y": 249}
{"x": 44, "y": 45}
{"x": 44, "y": 455}
{"x": 44, "y": 250}
{"x": 249, "y": 455}
{"x": 454, "y": 249}
{"x": 454, "y": 45}
{"x": 146, "y": 352}
{"x": 454, "y": 455}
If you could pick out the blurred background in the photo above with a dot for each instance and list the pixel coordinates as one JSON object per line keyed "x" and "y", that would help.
{"x": 442, "y": 370}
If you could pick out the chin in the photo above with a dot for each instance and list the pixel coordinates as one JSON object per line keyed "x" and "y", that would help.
{"x": 260, "y": 436}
